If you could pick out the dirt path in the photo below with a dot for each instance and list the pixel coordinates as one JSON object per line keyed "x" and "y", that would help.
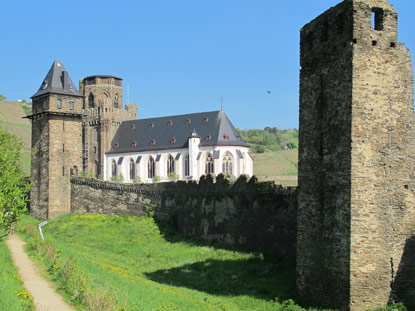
{"x": 44, "y": 297}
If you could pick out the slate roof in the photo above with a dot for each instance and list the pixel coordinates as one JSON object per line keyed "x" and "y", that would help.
{"x": 173, "y": 132}
{"x": 57, "y": 81}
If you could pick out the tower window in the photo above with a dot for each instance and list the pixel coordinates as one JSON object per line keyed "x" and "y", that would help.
{"x": 377, "y": 18}
{"x": 71, "y": 105}
{"x": 226, "y": 137}
{"x": 59, "y": 104}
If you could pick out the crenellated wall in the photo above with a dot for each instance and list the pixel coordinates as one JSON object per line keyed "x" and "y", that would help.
{"x": 257, "y": 216}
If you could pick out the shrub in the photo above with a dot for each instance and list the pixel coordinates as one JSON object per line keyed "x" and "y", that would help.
{"x": 120, "y": 178}
{"x": 156, "y": 179}
{"x": 173, "y": 176}
{"x": 137, "y": 180}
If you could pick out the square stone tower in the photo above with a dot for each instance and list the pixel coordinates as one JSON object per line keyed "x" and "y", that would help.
{"x": 356, "y": 159}
{"x": 103, "y": 107}
{"x": 56, "y": 143}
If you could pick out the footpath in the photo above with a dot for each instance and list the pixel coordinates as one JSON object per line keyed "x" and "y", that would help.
{"x": 44, "y": 296}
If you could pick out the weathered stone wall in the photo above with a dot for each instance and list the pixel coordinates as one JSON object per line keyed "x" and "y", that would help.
{"x": 382, "y": 144}
{"x": 256, "y": 216}
{"x": 356, "y": 199}
{"x": 323, "y": 245}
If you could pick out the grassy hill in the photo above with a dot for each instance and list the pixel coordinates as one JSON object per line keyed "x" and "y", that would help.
{"x": 136, "y": 263}
{"x": 11, "y": 119}
{"x": 280, "y": 166}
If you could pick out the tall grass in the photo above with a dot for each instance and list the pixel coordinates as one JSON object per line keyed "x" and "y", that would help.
{"x": 133, "y": 264}
{"x": 13, "y": 296}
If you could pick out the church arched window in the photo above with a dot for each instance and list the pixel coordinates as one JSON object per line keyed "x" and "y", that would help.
{"x": 227, "y": 164}
{"x": 151, "y": 169}
{"x": 170, "y": 164}
{"x": 132, "y": 169}
{"x": 91, "y": 100}
{"x": 114, "y": 169}
{"x": 186, "y": 165}
{"x": 209, "y": 168}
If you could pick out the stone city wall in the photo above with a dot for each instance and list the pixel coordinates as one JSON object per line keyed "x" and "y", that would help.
{"x": 257, "y": 216}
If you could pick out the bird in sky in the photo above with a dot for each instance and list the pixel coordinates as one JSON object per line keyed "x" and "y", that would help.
{"x": 269, "y": 92}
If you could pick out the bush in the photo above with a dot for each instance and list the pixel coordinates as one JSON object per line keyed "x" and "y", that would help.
{"x": 156, "y": 179}
{"x": 120, "y": 178}
{"x": 173, "y": 176}
{"x": 137, "y": 180}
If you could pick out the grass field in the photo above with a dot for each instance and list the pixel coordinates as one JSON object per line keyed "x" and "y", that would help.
{"x": 13, "y": 296}
{"x": 148, "y": 267}
{"x": 281, "y": 166}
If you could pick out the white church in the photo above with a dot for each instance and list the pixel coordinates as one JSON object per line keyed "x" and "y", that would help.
{"x": 182, "y": 147}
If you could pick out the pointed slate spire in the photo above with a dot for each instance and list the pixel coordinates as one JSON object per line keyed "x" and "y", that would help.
{"x": 57, "y": 81}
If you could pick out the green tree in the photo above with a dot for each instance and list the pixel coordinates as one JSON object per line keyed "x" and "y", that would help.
{"x": 13, "y": 186}
{"x": 2, "y": 97}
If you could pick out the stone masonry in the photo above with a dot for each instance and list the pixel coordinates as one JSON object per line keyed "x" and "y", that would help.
{"x": 103, "y": 113}
{"x": 256, "y": 216}
{"x": 356, "y": 157}
{"x": 56, "y": 137}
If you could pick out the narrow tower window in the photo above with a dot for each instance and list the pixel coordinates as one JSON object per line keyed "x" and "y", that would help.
{"x": 71, "y": 105}
{"x": 59, "y": 104}
{"x": 186, "y": 166}
{"x": 91, "y": 100}
{"x": 377, "y": 18}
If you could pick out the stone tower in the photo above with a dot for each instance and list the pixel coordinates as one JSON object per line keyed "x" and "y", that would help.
{"x": 356, "y": 159}
{"x": 103, "y": 107}
{"x": 56, "y": 143}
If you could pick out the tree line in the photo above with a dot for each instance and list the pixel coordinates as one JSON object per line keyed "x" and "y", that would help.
{"x": 270, "y": 138}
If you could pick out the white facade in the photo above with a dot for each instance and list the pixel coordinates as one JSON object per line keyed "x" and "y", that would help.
{"x": 187, "y": 164}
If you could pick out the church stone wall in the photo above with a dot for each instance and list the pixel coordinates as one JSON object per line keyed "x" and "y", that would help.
{"x": 257, "y": 216}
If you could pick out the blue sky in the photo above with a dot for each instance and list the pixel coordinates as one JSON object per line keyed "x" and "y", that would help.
{"x": 177, "y": 56}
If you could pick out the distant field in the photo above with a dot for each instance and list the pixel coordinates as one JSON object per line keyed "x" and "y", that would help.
{"x": 281, "y": 166}
{"x": 11, "y": 119}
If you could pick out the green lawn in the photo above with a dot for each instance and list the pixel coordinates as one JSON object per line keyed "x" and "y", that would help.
{"x": 13, "y": 296}
{"x": 147, "y": 267}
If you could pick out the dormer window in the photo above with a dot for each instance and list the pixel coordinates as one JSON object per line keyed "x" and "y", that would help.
{"x": 133, "y": 144}
{"x": 115, "y": 146}
{"x": 169, "y": 123}
{"x": 132, "y": 127}
{"x": 44, "y": 85}
{"x": 226, "y": 137}
{"x": 151, "y": 125}
{"x": 239, "y": 138}
{"x": 172, "y": 141}
{"x": 208, "y": 137}
{"x": 152, "y": 143}
{"x": 70, "y": 86}
{"x": 205, "y": 120}
{"x": 188, "y": 121}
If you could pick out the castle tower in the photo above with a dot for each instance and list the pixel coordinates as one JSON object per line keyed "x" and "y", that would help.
{"x": 103, "y": 106}
{"x": 56, "y": 143}
{"x": 356, "y": 159}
